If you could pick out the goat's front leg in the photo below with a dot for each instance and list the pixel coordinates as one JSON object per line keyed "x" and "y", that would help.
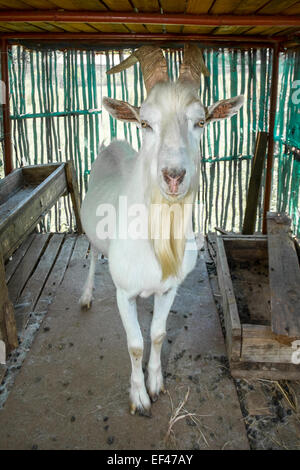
{"x": 139, "y": 399}
{"x": 87, "y": 293}
{"x": 162, "y": 305}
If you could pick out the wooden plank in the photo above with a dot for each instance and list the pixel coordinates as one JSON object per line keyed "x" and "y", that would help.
{"x": 271, "y": 371}
{"x": 8, "y": 331}
{"x": 224, "y": 6}
{"x": 248, "y": 7}
{"x": 276, "y": 6}
{"x": 73, "y": 189}
{"x": 92, "y": 5}
{"x": 10, "y": 185}
{"x": 36, "y": 282}
{"x": 56, "y": 275}
{"x": 25, "y": 268}
{"x": 173, "y": 6}
{"x": 22, "y": 220}
{"x": 13, "y": 264}
{"x": 146, "y": 6}
{"x": 198, "y": 8}
{"x": 36, "y": 174}
{"x": 231, "y": 315}
{"x": 255, "y": 183}
{"x": 260, "y": 344}
{"x": 284, "y": 275}
{"x": 240, "y": 250}
{"x": 80, "y": 251}
{"x": 119, "y": 5}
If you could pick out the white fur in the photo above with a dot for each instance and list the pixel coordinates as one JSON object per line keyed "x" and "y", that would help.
{"x": 172, "y": 111}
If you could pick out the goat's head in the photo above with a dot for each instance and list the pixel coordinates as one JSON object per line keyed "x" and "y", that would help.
{"x": 172, "y": 118}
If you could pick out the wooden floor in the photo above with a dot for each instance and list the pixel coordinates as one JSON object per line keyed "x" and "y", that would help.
{"x": 71, "y": 391}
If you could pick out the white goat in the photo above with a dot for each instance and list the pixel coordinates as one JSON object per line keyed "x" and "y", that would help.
{"x": 164, "y": 172}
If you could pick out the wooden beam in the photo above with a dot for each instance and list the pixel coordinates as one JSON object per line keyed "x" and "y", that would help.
{"x": 237, "y": 41}
{"x": 284, "y": 275}
{"x": 73, "y": 189}
{"x": 8, "y": 330}
{"x": 8, "y": 164}
{"x": 270, "y": 157}
{"x": 114, "y": 17}
{"x": 255, "y": 183}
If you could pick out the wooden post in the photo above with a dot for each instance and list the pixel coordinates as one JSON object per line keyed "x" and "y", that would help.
{"x": 284, "y": 275}
{"x": 8, "y": 165}
{"x": 273, "y": 104}
{"x": 73, "y": 189}
{"x": 8, "y": 330}
{"x": 255, "y": 183}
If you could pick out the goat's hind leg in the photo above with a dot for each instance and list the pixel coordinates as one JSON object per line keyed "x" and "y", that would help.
{"x": 86, "y": 298}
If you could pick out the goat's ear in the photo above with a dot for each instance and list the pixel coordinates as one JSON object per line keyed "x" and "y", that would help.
{"x": 122, "y": 110}
{"x": 224, "y": 109}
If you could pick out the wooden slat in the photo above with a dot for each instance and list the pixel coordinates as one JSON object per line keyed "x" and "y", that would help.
{"x": 224, "y": 6}
{"x": 255, "y": 183}
{"x": 259, "y": 344}
{"x": 56, "y": 276}
{"x": 276, "y": 6}
{"x": 293, "y": 10}
{"x": 245, "y": 249}
{"x": 250, "y": 6}
{"x": 32, "y": 291}
{"x": 173, "y": 6}
{"x": 10, "y": 184}
{"x": 73, "y": 190}
{"x": 231, "y": 315}
{"x": 146, "y": 5}
{"x": 13, "y": 264}
{"x": 197, "y": 7}
{"x": 36, "y": 174}
{"x": 26, "y": 266}
{"x": 270, "y": 370}
{"x": 197, "y": 29}
{"x": 119, "y": 5}
{"x": 8, "y": 331}
{"x": 14, "y": 4}
{"x": 39, "y": 4}
{"x": 80, "y": 251}
{"x": 136, "y": 28}
{"x": 284, "y": 275}
{"x": 109, "y": 28}
{"x": 80, "y": 5}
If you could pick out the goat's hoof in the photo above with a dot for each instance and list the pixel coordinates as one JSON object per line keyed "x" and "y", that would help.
{"x": 140, "y": 411}
{"x": 85, "y": 303}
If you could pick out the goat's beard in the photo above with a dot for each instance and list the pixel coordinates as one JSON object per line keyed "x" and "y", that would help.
{"x": 167, "y": 230}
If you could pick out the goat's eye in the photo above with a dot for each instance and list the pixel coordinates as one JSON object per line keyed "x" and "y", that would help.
{"x": 200, "y": 123}
{"x": 145, "y": 125}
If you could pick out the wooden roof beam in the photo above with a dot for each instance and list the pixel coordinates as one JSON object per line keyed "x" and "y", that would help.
{"x": 147, "y": 18}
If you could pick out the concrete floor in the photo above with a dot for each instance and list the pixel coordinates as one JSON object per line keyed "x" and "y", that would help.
{"x": 72, "y": 389}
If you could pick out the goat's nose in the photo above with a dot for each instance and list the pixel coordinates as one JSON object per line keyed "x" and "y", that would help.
{"x": 173, "y": 177}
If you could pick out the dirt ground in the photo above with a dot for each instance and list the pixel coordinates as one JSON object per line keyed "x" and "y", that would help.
{"x": 72, "y": 390}
{"x": 68, "y": 389}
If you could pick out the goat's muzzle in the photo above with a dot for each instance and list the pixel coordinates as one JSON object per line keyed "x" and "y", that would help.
{"x": 173, "y": 178}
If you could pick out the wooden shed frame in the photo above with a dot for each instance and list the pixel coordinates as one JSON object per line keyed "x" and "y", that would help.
{"x": 276, "y": 43}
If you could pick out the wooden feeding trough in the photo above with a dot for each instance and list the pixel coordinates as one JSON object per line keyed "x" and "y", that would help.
{"x": 259, "y": 280}
{"x": 25, "y": 197}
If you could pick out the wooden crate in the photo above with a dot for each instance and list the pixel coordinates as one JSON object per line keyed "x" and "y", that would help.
{"x": 246, "y": 281}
